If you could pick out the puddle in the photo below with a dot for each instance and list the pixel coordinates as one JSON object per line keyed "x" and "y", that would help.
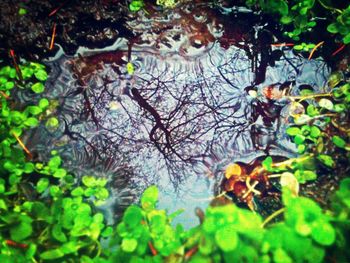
{"x": 183, "y": 115}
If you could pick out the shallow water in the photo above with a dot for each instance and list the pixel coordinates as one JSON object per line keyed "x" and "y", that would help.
{"x": 181, "y": 117}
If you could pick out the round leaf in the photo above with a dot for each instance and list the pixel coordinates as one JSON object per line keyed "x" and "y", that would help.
{"x": 129, "y": 244}
{"x": 226, "y": 238}
{"x": 323, "y": 233}
{"x": 38, "y": 87}
{"x": 292, "y": 131}
{"x": 41, "y": 75}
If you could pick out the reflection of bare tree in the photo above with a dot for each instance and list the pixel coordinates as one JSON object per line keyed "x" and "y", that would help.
{"x": 170, "y": 114}
{"x": 179, "y": 112}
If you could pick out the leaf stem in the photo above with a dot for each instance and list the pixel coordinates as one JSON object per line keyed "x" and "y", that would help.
{"x": 272, "y": 216}
{"x": 301, "y": 98}
{"x": 329, "y": 8}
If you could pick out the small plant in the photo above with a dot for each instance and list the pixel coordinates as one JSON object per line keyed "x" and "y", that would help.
{"x": 342, "y": 25}
{"x": 229, "y": 233}
{"x": 44, "y": 214}
{"x": 300, "y": 14}
{"x": 167, "y": 3}
{"x": 136, "y": 5}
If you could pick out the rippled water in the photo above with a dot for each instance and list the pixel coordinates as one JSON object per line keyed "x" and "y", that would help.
{"x": 181, "y": 117}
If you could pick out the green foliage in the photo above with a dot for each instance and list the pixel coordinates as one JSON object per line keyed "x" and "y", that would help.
{"x": 304, "y": 47}
{"x": 44, "y": 214}
{"x": 312, "y": 136}
{"x": 230, "y": 234}
{"x": 342, "y": 25}
{"x": 22, "y": 11}
{"x": 167, "y": 3}
{"x": 48, "y": 215}
{"x": 136, "y": 5}
{"x": 300, "y": 16}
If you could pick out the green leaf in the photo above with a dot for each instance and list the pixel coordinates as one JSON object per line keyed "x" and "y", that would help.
{"x": 89, "y": 181}
{"x": 31, "y": 122}
{"x": 130, "y": 68}
{"x": 107, "y": 232}
{"x": 129, "y": 244}
{"x": 79, "y": 191}
{"x": 34, "y": 110}
{"x": 281, "y": 256}
{"x": 52, "y": 254}
{"x": 309, "y": 175}
{"x": 60, "y": 173}
{"x": 70, "y": 247}
{"x": 303, "y": 11}
{"x": 299, "y": 139}
{"x": 21, "y": 231}
{"x": 102, "y": 194}
{"x": 226, "y": 238}
{"x": 41, "y": 75}
{"x": 267, "y": 163}
{"x": 298, "y": 47}
{"x": 43, "y": 103}
{"x": 9, "y": 85}
{"x": 136, "y": 5}
{"x": 28, "y": 168}
{"x": 58, "y": 234}
{"x": 338, "y": 141}
{"x": 42, "y": 185}
{"x": 301, "y": 148}
{"x": 149, "y": 198}
{"x": 132, "y": 216}
{"x": 315, "y": 132}
{"x": 52, "y": 122}
{"x": 312, "y": 111}
{"x": 31, "y": 251}
{"x": 55, "y": 191}
{"x": 286, "y": 19}
{"x": 55, "y": 162}
{"x": 326, "y": 159}
{"x": 323, "y": 233}
{"x": 332, "y": 28}
{"x": 22, "y": 11}
{"x": 346, "y": 39}
{"x": 292, "y": 131}
{"x": 311, "y": 24}
{"x": 38, "y": 87}
{"x": 339, "y": 107}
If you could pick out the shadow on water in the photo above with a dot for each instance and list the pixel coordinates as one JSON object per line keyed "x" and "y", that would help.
{"x": 185, "y": 113}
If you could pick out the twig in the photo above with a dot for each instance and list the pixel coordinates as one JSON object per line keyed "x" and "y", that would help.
{"x": 338, "y": 50}
{"x": 22, "y": 145}
{"x": 152, "y": 248}
{"x": 4, "y": 95}
{"x": 301, "y": 98}
{"x": 19, "y": 73}
{"x": 251, "y": 188}
{"x": 282, "y": 45}
{"x": 53, "y": 36}
{"x": 191, "y": 252}
{"x": 329, "y": 8}
{"x": 58, "y": 8}
{"x": 272, "y": 216}
{"x": 314, "y": 49}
